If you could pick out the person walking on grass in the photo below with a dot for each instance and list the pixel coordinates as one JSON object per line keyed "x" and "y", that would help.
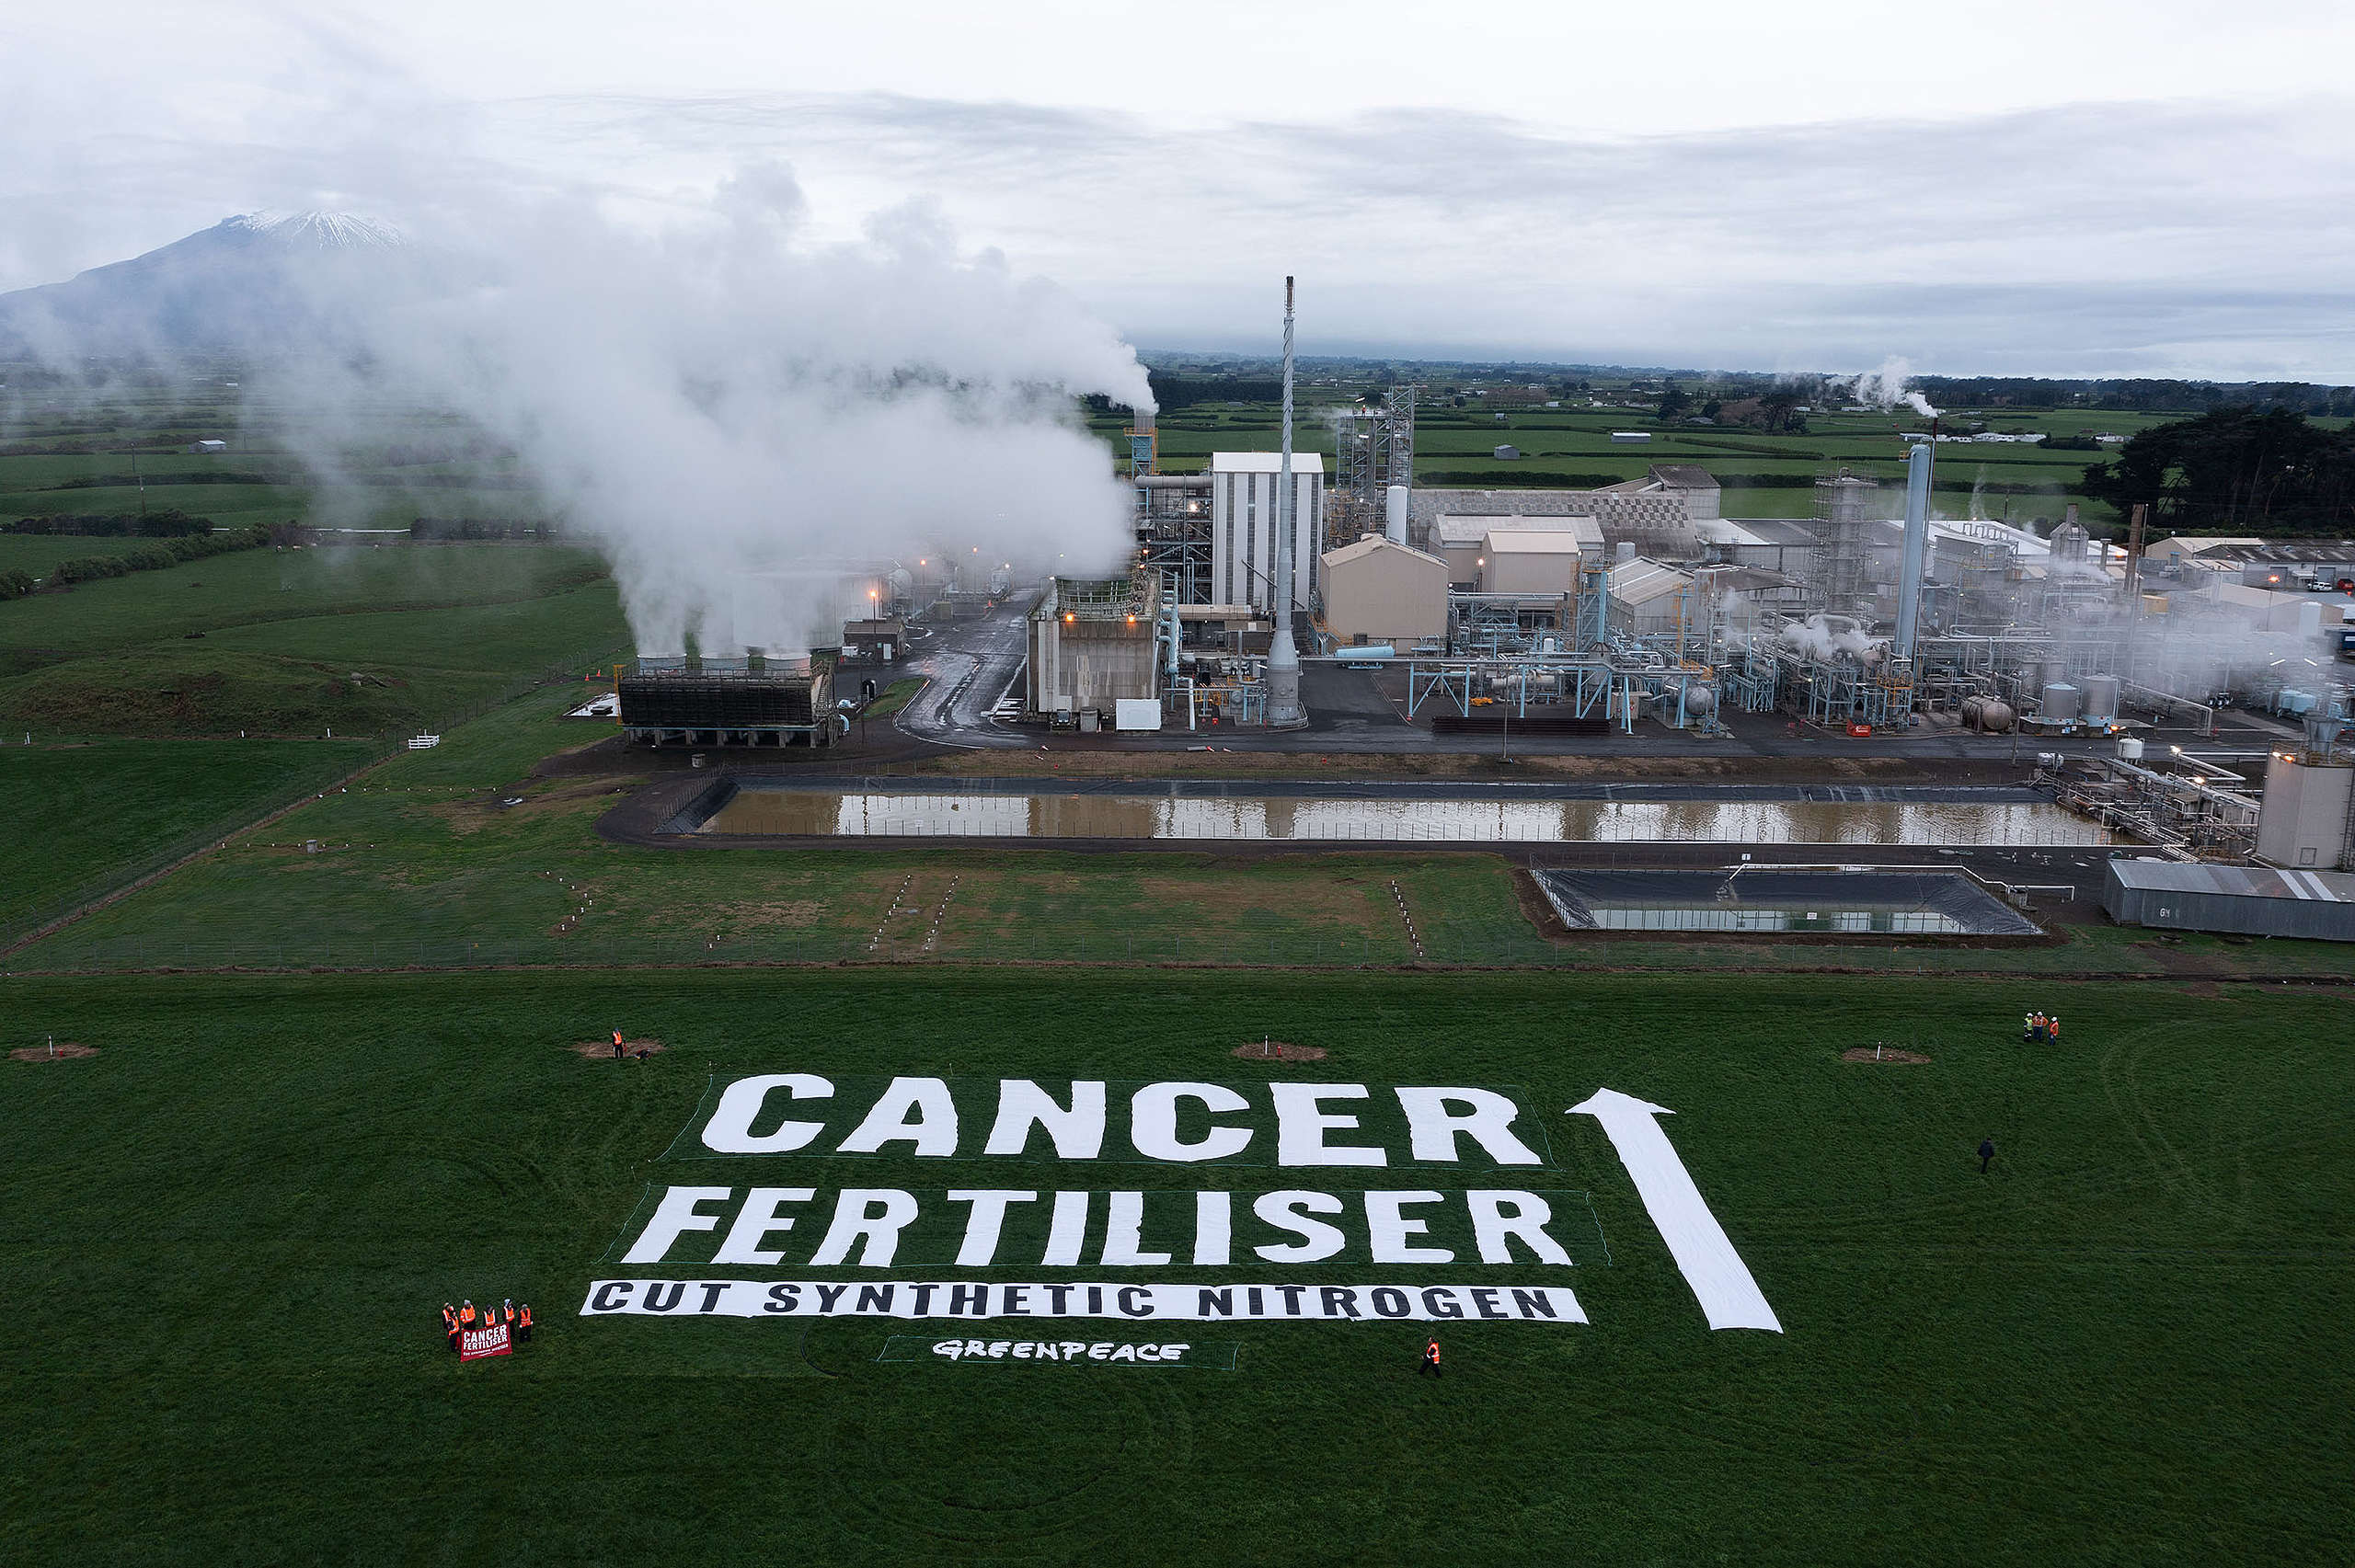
{"x": 1986, "y": 1153}
{"x": 1431, "y": 1358}
{"x": 618, "y": 1044}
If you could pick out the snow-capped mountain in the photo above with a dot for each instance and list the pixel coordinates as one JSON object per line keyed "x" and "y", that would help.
{"x": 259, "y": 281}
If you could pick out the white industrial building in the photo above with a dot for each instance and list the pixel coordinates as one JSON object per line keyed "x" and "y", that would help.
{"x": 1244, "y": 525}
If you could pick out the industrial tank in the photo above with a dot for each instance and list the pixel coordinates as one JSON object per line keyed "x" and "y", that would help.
{"x": 1393, "y": 514}
{"x": 1700, "y": 702}
{"x": 1992, "y": 715}
{"x": 2060, "y": 705}
{"x": 2301, "y": 822}
{"x": 2101, "y": 698}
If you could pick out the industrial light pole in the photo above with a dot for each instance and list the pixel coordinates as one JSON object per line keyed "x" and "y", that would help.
{"x": 1284, "y": 710}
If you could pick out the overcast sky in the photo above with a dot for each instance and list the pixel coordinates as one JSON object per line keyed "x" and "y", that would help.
{"x": 2059, "y": 188}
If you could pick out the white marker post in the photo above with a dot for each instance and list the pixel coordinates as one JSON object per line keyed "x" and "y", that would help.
{"x": 1728, "y": 1296}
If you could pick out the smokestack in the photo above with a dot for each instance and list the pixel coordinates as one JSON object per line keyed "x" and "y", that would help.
{"x": 1393, "y": 514}
{"x": 1284, "y": 710}
{"x": 1917, "y": 539}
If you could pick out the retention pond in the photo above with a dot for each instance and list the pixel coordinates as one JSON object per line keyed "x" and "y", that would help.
{"x": 1825, "y": 903}
{"x": 1375, "y": 813}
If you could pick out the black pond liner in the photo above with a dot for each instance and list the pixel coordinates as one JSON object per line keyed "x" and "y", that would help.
{"x": 1879, "y": 902}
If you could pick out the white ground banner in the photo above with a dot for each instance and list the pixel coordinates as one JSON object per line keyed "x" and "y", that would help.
{"x": 764, "y": 1128}
{"x": 1084, "y": 1299}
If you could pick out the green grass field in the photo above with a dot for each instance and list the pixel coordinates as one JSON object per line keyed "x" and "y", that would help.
{"x": 84, "y": 812}
{"x": 227, "y": 1235}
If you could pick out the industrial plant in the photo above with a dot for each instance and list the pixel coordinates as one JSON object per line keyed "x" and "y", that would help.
{"x": 1633, "y": 607}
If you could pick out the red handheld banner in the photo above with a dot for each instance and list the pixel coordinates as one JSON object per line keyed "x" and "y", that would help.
{"x": 493, "y": 1341}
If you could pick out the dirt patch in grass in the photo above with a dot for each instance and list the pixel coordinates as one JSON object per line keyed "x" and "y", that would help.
{"x": 603, "y": 1050}
{"x": 1887, "y": 1056}
{"x": 64, "y": 1050}
{"x": 1279, "y": 1050}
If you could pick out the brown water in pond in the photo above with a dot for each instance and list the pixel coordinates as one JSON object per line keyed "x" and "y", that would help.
{"x": 823, "y": 814}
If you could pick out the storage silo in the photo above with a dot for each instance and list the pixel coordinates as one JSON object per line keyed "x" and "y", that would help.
{"x": 1393, "y": 514}
{"x": 2101, "y": 699}
{"x": 2060, "y": 704}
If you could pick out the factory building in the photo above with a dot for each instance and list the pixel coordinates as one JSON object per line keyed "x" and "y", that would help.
{"x": 1461, "y": 539}
{"x": 1649, "y": 600}
{"x": 1644, "y": 513}
{"x": 1529, "y": 562}
{"x": 1244, "y": 514}
{"x": 2288, "y": 565}
{"x": 1377, "y": 592}
{"x": 1092, "y": 645}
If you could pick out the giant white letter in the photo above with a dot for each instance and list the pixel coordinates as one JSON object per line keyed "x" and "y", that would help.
{"x": 877, "y": 1233}
{"x": 1153, "y": 1122}
{"x": 756, "y": 1219}
{"x": 1488, "y": 1120}
{"x": 674, "y": 1217}
{"x": 731, "y": 1129}
{"x": 933, "y": 1128}
{"x": 1497, "y": 1217}
{"x": 1078, "y": 1133}
{"x": 980, "y": 1246}
{"x": 1301, "y": 1125}
{"x": 1283, "y": 1210}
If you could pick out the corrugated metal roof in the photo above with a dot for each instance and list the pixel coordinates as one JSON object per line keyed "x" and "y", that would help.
{"x": 2234, "y": 881}
{"x": 1473, "y": 528}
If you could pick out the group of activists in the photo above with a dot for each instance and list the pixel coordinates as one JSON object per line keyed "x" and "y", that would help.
{"x": 461, "y": 1318}
{"x": 2041, "y": 1029}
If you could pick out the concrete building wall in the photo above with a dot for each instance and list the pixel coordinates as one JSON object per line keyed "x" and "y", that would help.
{"x": 1379, "y": 592}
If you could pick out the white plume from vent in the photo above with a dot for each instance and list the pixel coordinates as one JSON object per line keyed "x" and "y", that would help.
{"x": 727, "y": 407}
{"x": 1885, "y": 388}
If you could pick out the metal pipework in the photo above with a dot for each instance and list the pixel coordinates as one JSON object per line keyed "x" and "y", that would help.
{"x": 1917, "y": 541}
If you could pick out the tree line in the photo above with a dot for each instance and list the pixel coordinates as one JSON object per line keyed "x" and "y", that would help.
{"x": 2236, "y": 470}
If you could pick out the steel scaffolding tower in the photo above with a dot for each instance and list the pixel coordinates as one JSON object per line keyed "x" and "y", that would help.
{"x": 1373, "y": 450}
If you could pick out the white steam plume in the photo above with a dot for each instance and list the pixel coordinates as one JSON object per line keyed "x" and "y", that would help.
{"x": 741, "y": 417}
{"x": 1885, "y": 388}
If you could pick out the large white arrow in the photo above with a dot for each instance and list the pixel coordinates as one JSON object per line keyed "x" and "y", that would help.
{"x": 1727, "y": 1294}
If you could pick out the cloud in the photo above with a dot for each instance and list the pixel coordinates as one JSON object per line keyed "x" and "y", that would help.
{"x": 2174, "y": 237}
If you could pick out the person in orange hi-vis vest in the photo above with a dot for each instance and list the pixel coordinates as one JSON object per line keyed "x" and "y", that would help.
{"x": 1431, "y": 1358}
{"x": 507, "y": 1309}
{"x": 618, "y": 1043}
{"x": 466, "y": 1314}
{"x": 523, "y": 1324}
{"x": 450, "y": 1323}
